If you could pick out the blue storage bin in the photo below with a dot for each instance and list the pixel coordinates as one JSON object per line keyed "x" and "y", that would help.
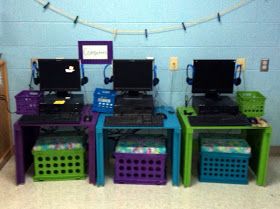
{"x": 229, "y": 165}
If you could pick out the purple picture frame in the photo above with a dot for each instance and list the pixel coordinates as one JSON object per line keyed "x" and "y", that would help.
{"x": 84, "y": 60}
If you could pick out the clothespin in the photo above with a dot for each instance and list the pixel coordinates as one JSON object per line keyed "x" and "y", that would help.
{"x": 146, "y": 33}
{"x": 76, "y": 20}
{"x": 46, "y": 5}
{"x": 219, "y": 17}
{"x": 184, "y": 26}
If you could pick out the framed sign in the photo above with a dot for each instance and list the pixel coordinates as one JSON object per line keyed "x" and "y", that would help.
{"x": 95, "y": 52}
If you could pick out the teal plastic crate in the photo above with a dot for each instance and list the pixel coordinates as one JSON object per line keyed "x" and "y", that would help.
{"x": 224, "y": 159}
{"x": 58, "y": 159}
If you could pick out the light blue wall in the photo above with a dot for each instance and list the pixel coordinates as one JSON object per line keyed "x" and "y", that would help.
{"x": 26, "y": 31}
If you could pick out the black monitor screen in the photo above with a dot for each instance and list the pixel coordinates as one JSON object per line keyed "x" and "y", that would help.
{"x": 59, "y": 74}
{"x": 134, "y": 75}
{"x": 213, "y": 76}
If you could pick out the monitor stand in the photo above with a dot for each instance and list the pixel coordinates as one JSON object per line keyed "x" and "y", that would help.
{"x": 134, "y": 103}
{"x": 214, "y": 104}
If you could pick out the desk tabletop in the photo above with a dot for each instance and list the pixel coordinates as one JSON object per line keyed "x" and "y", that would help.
{"x": 184, "y": 112}
{"x": 171, "y": 122}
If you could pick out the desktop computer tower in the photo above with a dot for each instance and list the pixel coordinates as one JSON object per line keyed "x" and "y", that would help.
{"x": 53, "y": 104}
{"x": 143, "y": 104}
{"x": 220, "y": 105}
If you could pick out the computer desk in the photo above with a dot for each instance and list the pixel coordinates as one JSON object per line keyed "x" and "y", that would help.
{"x": 25, "y": 136}
{"x": 257, "y": 137}
{"x": 171, "y": 124}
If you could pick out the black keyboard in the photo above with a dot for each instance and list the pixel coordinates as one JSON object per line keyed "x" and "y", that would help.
{"x": 52, "y": 118}
{"x": 219, "y": 120}
{"x": 134, "y": 120}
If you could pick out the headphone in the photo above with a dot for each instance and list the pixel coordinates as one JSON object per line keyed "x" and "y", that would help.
{"x": 108, "y": 80}
{"x": 156, "y": 79}
{"x": 35, "y": 70}
{"x": 189, "y": 80}
{"x": 84, "y": 79}
{"x": 237, "y": 80}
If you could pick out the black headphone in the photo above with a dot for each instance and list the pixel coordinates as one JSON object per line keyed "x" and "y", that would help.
{"x": 84, "y": 79}
{"x": 189, "y": 80}
{"x": 35, "y": 70}
{"x": 156, "y": 79}
{"x": 237, "y": 80}
{"x": 107, "y": 80}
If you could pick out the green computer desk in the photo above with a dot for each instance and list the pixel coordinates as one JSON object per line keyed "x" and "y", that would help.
{"x": 257, "y": 137}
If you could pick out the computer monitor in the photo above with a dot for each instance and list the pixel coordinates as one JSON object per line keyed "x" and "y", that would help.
{"x": 59, "y": 75}
{"x": 133, "y": 75}
{"x": 213, "y": 77}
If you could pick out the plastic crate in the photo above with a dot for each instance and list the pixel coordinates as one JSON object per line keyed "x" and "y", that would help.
{"x": 251, "y": 103}
{"x": 59, "y": 156}
{"x": 140, "y": 168}
{"x": 59, "y": 164}
{"x": 224, "y": 167}
{"x": 27, "y": 102}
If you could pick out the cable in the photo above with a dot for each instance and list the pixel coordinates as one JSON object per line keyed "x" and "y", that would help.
{"x": 188, "y": 101}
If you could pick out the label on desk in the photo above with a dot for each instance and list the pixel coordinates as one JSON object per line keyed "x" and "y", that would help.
{"x": 59, "y": 102}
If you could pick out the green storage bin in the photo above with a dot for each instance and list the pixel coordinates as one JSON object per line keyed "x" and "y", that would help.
{"x": 251, "y": 103}
{"x": 60, "y": 157}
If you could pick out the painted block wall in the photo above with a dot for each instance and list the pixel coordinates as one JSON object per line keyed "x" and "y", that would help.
{"x": 252, "y": 32}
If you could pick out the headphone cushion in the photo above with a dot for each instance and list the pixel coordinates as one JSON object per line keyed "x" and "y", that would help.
{"x": 189, "y": 81}
{"x": 237, "y": 81}
{"x": 155, "y": 81}
{"x": 36, "y": 81}
{"x": 84, "y": 80}
{"x": 106, "y": 80}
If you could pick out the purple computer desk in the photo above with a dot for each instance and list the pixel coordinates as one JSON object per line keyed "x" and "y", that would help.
{"x": 25, "y": 136}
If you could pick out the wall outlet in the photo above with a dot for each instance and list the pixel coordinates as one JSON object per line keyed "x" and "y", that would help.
{"x": 242, "y": 62}
{"x": 264, "y": 65}
{"x": 173, "y": 63}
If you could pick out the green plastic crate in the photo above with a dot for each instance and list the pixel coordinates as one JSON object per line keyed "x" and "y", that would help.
{"x": 251, "y": 103}
{"x": 59, "y": 164}
{"x": 56, "y": 162}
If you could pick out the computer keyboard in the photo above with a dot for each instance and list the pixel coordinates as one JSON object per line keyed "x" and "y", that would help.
{"x": 134, "y": 120}
{"x": 219, "y": 120}
{"x": 52, "y": 118}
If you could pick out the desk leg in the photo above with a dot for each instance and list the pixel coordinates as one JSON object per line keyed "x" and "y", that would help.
{"x": 91, "y": 155}
{"x": 176, "y": 157}
{"x": 25, "y": 138}
{"x": 259, "y": 141}
{"x": 20, "y": 174}
{"x": 187, "y": 157}
{"x": 100, "y": 158}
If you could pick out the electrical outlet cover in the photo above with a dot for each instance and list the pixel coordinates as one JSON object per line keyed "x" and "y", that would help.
{"x": 173, "y": 63}
{"x": 242, "y": 62}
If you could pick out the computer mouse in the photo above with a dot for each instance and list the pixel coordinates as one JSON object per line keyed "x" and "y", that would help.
{"x": 163, "y": 115}
{"x": 87, "y": 118}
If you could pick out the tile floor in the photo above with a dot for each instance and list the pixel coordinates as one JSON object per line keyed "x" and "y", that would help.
{"x": 81, "y": 195}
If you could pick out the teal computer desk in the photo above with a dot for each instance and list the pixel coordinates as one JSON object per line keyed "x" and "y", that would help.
{"x": 171, "y": 124}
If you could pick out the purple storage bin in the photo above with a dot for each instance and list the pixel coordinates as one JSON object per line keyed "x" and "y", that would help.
{"x": 133, "y": 168}
{"x": 27, "y": 102}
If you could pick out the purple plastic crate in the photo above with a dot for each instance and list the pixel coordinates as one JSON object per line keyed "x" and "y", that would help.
{"x": 27, "y": 102}
{"x": 133, "y": 168}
